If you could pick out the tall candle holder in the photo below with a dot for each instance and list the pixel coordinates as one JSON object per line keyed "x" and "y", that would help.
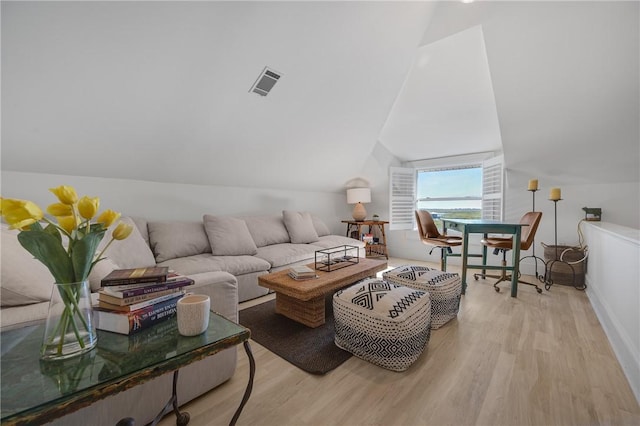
{"x": 540, "y": 277}
{"x": 548, "y": 282}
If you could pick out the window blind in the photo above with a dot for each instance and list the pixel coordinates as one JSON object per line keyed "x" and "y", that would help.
{"x": 402, "y": 183}
{"x": 492, "y": 185}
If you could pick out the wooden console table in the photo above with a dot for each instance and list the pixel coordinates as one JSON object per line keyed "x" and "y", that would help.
{"x": 378, "y": 249}
{"x": 35, "y": 392}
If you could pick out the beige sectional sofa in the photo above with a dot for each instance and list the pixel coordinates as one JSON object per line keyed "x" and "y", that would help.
{"x": 224, "y": 255}
{"x": 246, "y": 247}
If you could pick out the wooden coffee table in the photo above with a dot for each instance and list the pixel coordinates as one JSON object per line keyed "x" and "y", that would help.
{"x": 303, "y": 300}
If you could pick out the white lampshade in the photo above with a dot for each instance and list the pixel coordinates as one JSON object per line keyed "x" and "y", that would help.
{"x": 358, "y": 195}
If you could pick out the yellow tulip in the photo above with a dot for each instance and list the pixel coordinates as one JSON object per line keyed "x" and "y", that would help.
{"x": 108, "y": 217}
{"x": 66, "y": 194}
{"x": 68, "y": 223}
{"x": 122, "y": 231}
{"x": 59, "y": 209}
{"x": 88, "y": 206}
{"x": 20, "y": 214}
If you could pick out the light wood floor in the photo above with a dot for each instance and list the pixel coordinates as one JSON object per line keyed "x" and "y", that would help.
{"x": 539, "y": 359}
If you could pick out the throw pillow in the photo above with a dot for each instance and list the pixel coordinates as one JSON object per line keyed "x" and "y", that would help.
{"x": 321, "y": 228}
{"x": 100, "y": 270}
{"x": 171, "y": 240}
{"x": 229, "y": 236}
{"x": 132, "y": 252}
{"x": 267, "y": 230}
{"x": 300, "y": 227}
{"x": 24, "y": 280}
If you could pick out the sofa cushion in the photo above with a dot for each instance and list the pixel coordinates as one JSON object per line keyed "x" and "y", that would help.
{"x": 24, "y": 280}
{"x": 300, "y": 227}
{"x": 235, "y": 265}
{"x": 170, "y": 240}
{"x": 267, "y": 230}
{"x": 228, "y": 236}
{"x": 321, "y": 228}
{"x": 284, "y": 254}
{"x": 132, "y": 252}
{"x": 141, "y": 224}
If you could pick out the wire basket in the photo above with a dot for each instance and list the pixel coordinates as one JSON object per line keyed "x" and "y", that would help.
{"x": 573, "y": 260}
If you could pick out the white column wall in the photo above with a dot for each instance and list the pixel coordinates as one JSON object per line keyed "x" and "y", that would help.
{"x": 614, "y": 291}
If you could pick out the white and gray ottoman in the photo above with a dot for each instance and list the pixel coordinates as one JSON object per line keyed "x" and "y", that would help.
{"x": 444, "y": 288}
{"x": 385, "y": 324}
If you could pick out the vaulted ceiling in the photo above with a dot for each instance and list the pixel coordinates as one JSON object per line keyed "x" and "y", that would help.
{"x": 159, "y": 91}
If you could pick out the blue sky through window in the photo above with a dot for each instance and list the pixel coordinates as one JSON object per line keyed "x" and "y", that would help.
{"x": 456, "y": 183}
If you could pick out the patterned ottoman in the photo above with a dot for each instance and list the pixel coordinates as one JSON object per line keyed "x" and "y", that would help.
{"x": 443, "y": 287}
{"x": 385, "y": 324}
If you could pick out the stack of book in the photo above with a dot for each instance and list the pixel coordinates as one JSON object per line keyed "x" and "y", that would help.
{"x": 134, "y": 299}
{"x": 301, "y": 272}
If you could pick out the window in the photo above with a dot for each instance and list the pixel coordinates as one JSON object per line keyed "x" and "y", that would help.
{"x": 469, "y": 191}
{"x": 455, "y": 193}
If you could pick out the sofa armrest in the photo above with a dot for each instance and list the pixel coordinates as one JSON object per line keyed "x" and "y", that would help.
{"x": 222, "y": 288}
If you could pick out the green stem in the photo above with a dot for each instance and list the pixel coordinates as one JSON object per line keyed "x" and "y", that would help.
{"x": 65, "y": 321}
{"x": 49, "y": 221}
{"x": 70, "y": 299}
{"x": 74, "y": 298}
{"x": 105, "y": 248}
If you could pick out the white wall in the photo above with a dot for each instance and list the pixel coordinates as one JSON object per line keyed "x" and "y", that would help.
{"x": 612, "y": 287}
{"x": 162, "y": 201}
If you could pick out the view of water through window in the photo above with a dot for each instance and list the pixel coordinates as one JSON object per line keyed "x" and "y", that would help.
{"x": 451, "y": 193}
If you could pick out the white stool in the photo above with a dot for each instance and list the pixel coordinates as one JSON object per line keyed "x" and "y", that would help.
{"x": 444, "y": 288}
{"x": 385, "y": 324}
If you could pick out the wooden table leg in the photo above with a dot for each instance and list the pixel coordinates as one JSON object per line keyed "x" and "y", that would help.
{"x": 307, "y": 312}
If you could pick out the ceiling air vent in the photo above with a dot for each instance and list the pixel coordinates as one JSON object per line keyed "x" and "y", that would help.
{"x": 265, "y": 82}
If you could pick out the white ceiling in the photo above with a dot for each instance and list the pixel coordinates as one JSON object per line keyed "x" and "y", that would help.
{"x": 159, "y": 91}
{"x": 565, "y": 77}
{"x": 446, "y": 106}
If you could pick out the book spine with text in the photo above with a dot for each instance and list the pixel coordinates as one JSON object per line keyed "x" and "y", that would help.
{"x": 138, "y": 290}
{"x": 139, "y": 305}
{"x": 151, "y": 274}
{"x": 135, "y": 321}
{"x": 114, "y": 300}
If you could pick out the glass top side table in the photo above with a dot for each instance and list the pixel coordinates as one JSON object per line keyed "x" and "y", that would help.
{"x": 34, "y": 391}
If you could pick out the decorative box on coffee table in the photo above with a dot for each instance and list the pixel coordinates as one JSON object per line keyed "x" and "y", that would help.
{"x": 336, "y": 257}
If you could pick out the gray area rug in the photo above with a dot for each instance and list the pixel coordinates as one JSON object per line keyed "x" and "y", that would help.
{"x": 311, "y": 349}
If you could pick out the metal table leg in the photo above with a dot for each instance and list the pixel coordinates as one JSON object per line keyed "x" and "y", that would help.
{"x": 247, "y": 392}
{"x": 182, "y": 418}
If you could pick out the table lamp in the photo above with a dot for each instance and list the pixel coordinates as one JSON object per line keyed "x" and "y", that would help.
{"x": 358, "y": 196}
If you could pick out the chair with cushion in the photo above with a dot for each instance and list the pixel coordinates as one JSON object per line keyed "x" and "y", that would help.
{"x": 430, "y": 236}
{"x": 502, "y": 245}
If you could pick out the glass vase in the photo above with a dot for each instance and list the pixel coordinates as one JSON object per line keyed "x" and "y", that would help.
{"x": 70, "y": 329}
